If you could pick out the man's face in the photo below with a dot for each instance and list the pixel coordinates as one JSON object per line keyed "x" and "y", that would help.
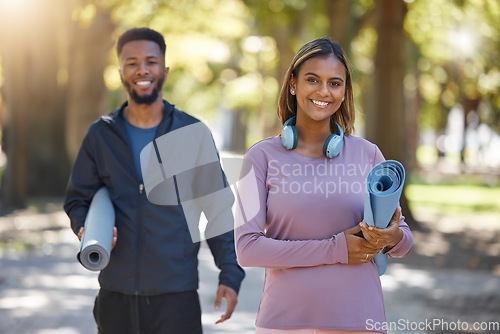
{"x": 142, "y": 70}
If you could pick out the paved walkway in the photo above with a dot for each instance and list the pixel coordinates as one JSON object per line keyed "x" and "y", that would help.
{"x": 48, "y": 291}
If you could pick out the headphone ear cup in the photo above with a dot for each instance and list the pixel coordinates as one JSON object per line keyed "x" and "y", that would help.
{"x": 332, "y": 146}
{"x": 289, "y": 137}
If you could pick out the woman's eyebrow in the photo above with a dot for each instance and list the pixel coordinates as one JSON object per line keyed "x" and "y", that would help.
{"x": 334, "y": 78}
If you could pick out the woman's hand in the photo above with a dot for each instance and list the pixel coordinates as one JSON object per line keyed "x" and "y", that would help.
{"x": 359, "y": 250}
{"x": 384, "y": 238}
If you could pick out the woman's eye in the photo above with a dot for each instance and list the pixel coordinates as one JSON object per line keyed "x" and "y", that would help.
{"x": 312, "y": 80}
{"x": 335, "y": 83}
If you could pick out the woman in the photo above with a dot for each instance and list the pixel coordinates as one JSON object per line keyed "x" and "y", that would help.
{"x": 308, "y": 187}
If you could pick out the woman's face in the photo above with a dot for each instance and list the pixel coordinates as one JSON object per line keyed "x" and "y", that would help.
{"x": 319, "y": 88}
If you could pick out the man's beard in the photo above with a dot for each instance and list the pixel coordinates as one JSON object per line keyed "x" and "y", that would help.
{"x": 147, "y": 99}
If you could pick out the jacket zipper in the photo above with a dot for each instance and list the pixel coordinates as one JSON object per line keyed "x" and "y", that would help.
{"x": 138, "y": 239}
{"x": 137, "y": 261}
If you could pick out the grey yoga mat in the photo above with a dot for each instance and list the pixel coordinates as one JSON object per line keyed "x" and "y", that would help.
{"x": 96, "y": 241}
{"x": 384, "y": 186}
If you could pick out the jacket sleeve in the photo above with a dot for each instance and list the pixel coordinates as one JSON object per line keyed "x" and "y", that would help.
{"x": 82, "y": 185}
{"x": 215, "y": 199}
{"x": 255, "y": 249}
{"x": 222, "y": 248}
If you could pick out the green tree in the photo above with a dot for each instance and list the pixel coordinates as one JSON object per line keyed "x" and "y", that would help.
{"x": 385, "y": 118}
{"x": 459, "y": 43}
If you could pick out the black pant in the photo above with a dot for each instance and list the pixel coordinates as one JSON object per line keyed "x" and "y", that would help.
{"x": 170, "y": 313}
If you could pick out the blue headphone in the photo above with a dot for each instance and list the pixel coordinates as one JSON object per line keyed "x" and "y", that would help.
{"x": 331, "y": 148}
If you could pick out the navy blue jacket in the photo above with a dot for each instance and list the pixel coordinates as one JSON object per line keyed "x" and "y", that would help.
{"x": 154, "y": 252}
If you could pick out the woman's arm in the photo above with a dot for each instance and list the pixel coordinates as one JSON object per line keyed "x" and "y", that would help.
{"x": 254, "y": 249}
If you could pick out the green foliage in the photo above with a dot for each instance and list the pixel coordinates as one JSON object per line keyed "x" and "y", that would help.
{"x": 230, "y": 53}
{"x": 455, "y": 198}
{"x": 459, "y": 43}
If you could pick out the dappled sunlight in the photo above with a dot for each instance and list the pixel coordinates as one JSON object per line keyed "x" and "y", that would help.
{"x": 431, "y": 245}
{"x": 423, "y": 294}
{"x": 62, "y": 330}
{"x": 68, "y": 281}
{"x": 240, "y": 322}
{"x": 33, "y": 300}
{"x": 243, "y": 318}
{"x": 400, "y": 277}
{"x": 464, "y": 41}
{"x": 40, "y": 289}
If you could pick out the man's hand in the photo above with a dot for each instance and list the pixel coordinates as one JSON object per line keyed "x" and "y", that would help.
{"x": 231, "y": 300}
{"x": 113, "y": 243}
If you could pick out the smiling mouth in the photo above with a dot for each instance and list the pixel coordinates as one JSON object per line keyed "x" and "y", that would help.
{"x": 320, "y": 103}
{"x": 144, "y": 83}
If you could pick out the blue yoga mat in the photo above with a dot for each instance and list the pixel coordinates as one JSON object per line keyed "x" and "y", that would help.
{"x": 384, "y": 186}
{"x": 97, "y": 236}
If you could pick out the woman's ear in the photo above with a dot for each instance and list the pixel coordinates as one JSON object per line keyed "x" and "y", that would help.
{"x": 292, "y": 85}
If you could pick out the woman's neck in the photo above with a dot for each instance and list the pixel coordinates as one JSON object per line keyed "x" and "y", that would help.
{"x": 312, "y": 136}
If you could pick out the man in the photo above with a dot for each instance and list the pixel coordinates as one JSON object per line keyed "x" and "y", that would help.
{"x": 150, "y": 283}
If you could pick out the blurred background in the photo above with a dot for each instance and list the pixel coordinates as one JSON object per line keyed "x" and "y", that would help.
{"x": 426, "y": 82}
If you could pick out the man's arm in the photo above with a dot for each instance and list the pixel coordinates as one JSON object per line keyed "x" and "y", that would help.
{"x": 82, "y": 185}
{"x": 217, "y": 207}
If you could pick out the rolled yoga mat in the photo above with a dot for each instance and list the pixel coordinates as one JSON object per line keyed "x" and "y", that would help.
{"x": 384, "y": 186}
{"x": 97, "y": 236}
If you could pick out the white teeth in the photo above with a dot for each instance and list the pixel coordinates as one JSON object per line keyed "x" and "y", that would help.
{"x": 143, "y": 83}
{"x": 320, "y": 103}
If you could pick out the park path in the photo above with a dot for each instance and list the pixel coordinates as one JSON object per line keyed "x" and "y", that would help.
{"x": 46, "y": 291}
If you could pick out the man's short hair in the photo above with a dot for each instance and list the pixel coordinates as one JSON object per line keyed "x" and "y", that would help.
{"x": 140, "y": 34}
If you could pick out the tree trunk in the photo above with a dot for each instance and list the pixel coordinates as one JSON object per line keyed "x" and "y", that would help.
{"x": 385, "y": 122}
{"x": 88, "y": 51}
{"x": 340, "y": 22}
{"x": 413, "y": 100}
{"x": 36, "y": 159}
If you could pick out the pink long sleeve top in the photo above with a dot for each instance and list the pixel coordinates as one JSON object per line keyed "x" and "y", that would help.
{"x": 292, "y": 214}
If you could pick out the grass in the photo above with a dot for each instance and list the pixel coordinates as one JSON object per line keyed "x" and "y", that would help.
{"x": 448, "y": 199}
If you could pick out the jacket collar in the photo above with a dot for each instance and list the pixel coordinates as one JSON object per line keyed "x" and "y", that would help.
{"x": 116, "y": 120}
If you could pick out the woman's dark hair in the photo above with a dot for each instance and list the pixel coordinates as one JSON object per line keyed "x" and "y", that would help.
{"x": 139, "y": 34}
{"x": 287, "y": 103}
